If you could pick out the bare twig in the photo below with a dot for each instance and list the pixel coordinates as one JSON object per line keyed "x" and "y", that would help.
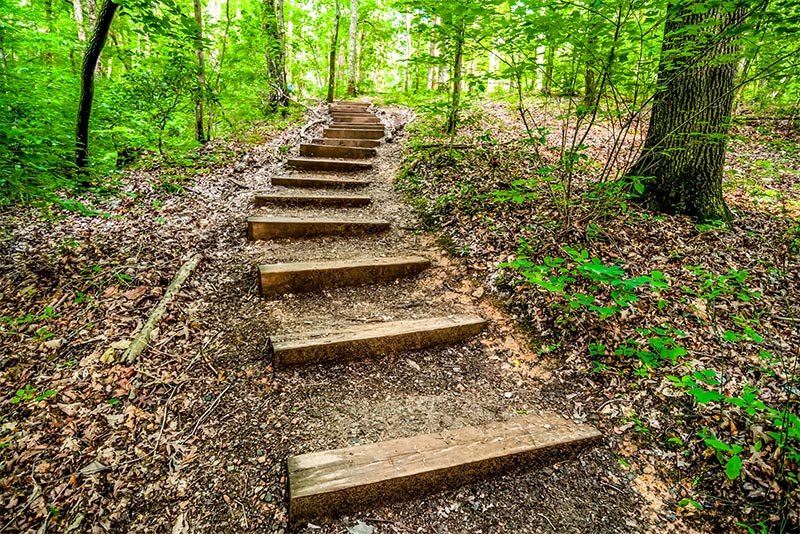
{"x": 206, "y": 414}
{"x": 164, "y": 419}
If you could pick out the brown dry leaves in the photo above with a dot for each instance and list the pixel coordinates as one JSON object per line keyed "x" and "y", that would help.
{"x": 650, "y": 423}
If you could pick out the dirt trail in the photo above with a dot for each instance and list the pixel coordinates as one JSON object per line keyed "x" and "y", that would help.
{"x": 202, "y": 447}
{"x": 235, "y": 480}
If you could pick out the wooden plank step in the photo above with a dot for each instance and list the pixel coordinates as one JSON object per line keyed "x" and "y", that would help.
{"x": 359, "y": 126}
{"x": 280, "y": 278}
{"x": 302, "y": 199}
{"x": 330, "y": 151}
{"x": 348, "y": 106}
{"x": 341, "y": 481}
{"x": 314, "y": 181}
{"x": 352, "y": 133}
{"x": 282, "y": 227}
{"x": 364, "y": 143}
{"x": 373, "y": 340}
{"x": 320, "y": 164}
{"x": 356, "y": 119}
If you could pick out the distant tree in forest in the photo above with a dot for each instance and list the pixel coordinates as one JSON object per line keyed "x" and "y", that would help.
{"x": 332, "y": 55}
{"x": 90, "y": 58}
{"x": 683, "y": 156}
{"x": 352, "y": 50}
{"x": 276, "y": 50}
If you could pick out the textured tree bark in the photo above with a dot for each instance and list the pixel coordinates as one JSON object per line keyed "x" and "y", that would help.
{"x": 276, "y": 50}
{"x": 78, "y": 8}
{"x": 199, "y": 131}
{"x": 90, "y": 58}
{"x": 684, "y": 151}
{"x": 352, "y": 51}
{"x": 332, "y": 57}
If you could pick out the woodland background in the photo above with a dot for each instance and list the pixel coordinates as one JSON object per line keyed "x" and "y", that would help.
{"x": 682, "y": 333}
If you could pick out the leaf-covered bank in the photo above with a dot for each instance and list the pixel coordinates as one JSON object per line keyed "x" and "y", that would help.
{"x": 679, "y": 340}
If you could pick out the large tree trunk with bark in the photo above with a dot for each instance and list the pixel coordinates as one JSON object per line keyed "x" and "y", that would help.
{"x": 332, "y": 57}
{"x": 352, "y": 52}
{"x": 683, "y": 156}
{"x": 90, "y": 58}
{"x": 199, "y": 131}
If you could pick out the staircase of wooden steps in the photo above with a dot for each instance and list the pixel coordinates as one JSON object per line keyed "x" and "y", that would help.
{"x": 323, "y": 485}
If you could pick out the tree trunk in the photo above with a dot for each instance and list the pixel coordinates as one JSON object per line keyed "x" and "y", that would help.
{"x": 276, "y": 50}
{"x": 684, "y": 152}
{"x": 199, "y": 131}
{"x": 91, "y": 9}
{"x": 90, "y": 59}
{"x": 352, "y": 52}
{"x": 78, "y": 8}
{"x": 458, "y": 61}
{"x": 332, "y": 56}
{"x": 407, "y": 74}
{"x": 549, "y": 62}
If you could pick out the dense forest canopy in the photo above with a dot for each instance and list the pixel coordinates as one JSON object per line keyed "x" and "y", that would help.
{"x": 603, "y": 54}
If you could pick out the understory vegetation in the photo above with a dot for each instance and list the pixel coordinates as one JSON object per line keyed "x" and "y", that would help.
{"x": 680, "y": 336}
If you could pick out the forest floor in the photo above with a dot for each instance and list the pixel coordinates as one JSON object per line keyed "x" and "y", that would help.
{"x": 193, "y": 437}
{"x": 678, "y": 340}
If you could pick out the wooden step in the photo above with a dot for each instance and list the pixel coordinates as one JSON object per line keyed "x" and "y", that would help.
{"x": 356, "y": 119}
{"x": 349, "y": 106}
{"x": 298, "y": 199}
{"x": 352, "y": 133}
{"x": 320, "y": 164}
{"x": 375, "y": 339}
{"x": 278, "y": 279}
{"x": 314, "y": 181}
{"x": 282, "y": 227}
{"x": 364, "y": 143}
{"x": 341, "y": 481}
{"x": 380, "y": 127}
{"x": 330, "y": 151}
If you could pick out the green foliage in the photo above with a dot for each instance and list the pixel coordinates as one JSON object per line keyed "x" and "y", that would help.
{"x": 610, "y": 289}
{"x": 29, "y": 393}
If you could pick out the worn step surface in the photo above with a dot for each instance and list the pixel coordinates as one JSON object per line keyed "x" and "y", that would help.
{"x": 352, "y": 133}
{"x": 355, "y": 119}
{"x": 364, "y": 143}
{"x": 280, "y": 278}
{"x": 349, "y": 107}
{"x": 282, "y": 227}
{"x": 314, "y": 181}
{"x": 331, "y": 151}
{"x": 360, "y": 126}
{"x": 302, "y": 199}
{"x": 372, "y": 340}
{"x": 320, "y": 164}
{"x": 340, "y": 481}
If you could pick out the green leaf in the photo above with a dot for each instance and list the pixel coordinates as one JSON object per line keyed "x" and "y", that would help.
{"x": 734, "y": 467}
{"x": 690, "y": 502}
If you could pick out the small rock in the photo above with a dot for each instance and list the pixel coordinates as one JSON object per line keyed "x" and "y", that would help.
{"x": 54, "y": 343}
{"x": 478, "y": 293}
{"x": 508, "y": 394}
